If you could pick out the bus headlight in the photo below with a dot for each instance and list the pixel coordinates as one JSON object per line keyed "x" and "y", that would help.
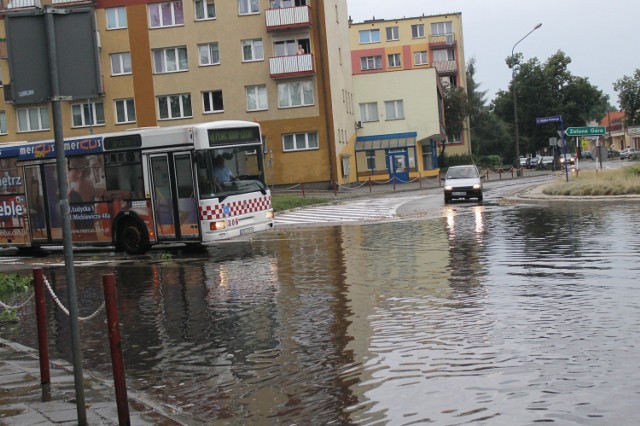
{"x": 270, "y": 215}
{"x": 216, "y": 226}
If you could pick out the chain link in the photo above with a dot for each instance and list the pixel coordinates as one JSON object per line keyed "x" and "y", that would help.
{"x": 21, "y": 305}
{"x": 65, "y": 310}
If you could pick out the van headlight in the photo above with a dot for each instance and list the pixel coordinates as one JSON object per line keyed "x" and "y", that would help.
{"x": 448, "y": 188}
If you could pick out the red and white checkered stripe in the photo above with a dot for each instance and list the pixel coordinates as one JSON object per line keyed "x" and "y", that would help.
{"x": 236, "y": 208}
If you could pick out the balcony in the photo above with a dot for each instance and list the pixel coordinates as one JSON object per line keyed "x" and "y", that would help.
{"x": 287, "y": 18}
{"x": 437, "y": 41}
{"x": 446, "y": 67}
{"x": 291, "y": 66}
{"x": 14, "y": 5}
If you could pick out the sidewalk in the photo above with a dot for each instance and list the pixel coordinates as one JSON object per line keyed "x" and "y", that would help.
{"x": 24, "y": 401}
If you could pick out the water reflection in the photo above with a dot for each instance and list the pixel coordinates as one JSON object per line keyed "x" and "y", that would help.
{"x": 506, "y": 316}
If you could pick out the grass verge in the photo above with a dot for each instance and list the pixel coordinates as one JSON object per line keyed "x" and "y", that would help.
{"x": 282, "y": 202}
{"x": 625, "y": 181}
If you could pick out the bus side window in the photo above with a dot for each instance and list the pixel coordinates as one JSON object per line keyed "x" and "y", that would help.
{"x": 124, "y": 176}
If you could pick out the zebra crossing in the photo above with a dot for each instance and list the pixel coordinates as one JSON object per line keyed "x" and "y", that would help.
{"x": 351, "y": 211}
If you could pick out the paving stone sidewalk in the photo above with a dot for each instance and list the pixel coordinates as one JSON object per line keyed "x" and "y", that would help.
{"x": 24, "y": 401}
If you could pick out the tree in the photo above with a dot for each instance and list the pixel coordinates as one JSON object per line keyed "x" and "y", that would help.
{"x": 456, "y": 109}
{"x": 489, "y": 134}
{"x": 628, "y": 89}
{"x": 548, "y": 89}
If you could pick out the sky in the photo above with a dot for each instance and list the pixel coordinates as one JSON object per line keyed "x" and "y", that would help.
{"x": 602, "y": 38}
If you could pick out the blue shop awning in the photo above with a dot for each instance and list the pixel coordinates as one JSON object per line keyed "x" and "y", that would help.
{"x": 388, "y": 141}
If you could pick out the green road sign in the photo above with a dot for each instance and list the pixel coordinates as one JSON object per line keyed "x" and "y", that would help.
{"x": 586, "y": 131}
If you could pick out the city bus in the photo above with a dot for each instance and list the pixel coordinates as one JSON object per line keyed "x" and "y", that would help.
{"x": 138, "y": 188}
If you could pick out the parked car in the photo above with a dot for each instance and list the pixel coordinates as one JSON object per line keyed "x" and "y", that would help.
{"x": 462, "y": 182}
{"x": 546, "y": 161}
{"x": 612, "y": 153}
{"x": 532, "y": 162}
{"x": 629, "y": 152}
{"x": 586, "y": 155}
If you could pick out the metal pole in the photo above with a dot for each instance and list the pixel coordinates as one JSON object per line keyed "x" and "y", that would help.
{"x": 513, "y": 89}
{"x": 63, "y": 188}
{"x": 41, "y": 320}
{"x": 564, "y": 149}
{"x": 115, "y": 343}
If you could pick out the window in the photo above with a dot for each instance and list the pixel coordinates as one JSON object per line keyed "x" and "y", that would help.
{"x": 120, "y": 63}
{"x": 256, "y": 98}
{"x": 252, "y": 50}
{"x": 369, "y": 112}
{"x": 443, "y": 55}
{"x": 205, "y": 9}
{"x": 124, "y": 173}
{"x": 420, "y": 58}
{"x": 440, "y": 28}
{"x": 371, "y": 159}
{"x": 3, "y": 123}
{"x": 33, "y": 119}
{"x": 394, "y": 60}
{"x": 116, "y": 18}
{"x": 393, "y": 33}
{"x": 295, "y": 94}
{"x": 212, "y": 101}
{"x": 125, "y": 111}
{"x": 209, "y": 54}
{"x": 369, "y": 36}
{"x": 300, "y": 141}
{"x": 170, "y": 59}
{"x": 247, "y": 7}
{"x": 370, "y": 63}
{"x": 87, "y": 114}
{"x": 175, "y": 106}
{"x": 167, "y": 14}
{"x": 394, "y": 110}
{"x": 285, "y": 48}
{"x": 417, "y": 31}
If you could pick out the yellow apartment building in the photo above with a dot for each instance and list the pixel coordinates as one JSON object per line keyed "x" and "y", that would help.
{"x": 285, "y": 64}
{"x": 401, "y": 68}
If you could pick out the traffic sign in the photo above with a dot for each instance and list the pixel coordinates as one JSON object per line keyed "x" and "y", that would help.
{"x": 552, "y": 119}
{"x": 586, "y": 131}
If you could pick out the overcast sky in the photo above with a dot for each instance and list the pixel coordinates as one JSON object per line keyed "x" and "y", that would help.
{"x": 601, "y": 38}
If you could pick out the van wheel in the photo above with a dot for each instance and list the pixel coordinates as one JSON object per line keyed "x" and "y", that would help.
{"x": 132, "y": 237}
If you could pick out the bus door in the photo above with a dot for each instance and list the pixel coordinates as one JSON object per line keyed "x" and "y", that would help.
{"x": 174, "y": 202}
{"x": 43, "y": 203}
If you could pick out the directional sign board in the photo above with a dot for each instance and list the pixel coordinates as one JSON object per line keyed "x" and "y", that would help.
{"x": 586, "y": 131}
{"x": 552, "y": 119}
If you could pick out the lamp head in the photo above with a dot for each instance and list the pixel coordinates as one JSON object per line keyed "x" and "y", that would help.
{"x": 537, "y": 26}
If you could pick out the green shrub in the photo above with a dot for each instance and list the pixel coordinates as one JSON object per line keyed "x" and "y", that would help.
{"x": 490, "y": 161}
{"x": 11, "y": 284}
{"x": 456, "y": 160}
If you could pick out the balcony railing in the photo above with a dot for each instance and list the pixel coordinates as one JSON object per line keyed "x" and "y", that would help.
{"x": 446, "y": 67}
{"x": 291, "y": 66}
{"x": 9, "y": 5}
{"x": 441, "y": 40}
{"x": 288, "y": 17}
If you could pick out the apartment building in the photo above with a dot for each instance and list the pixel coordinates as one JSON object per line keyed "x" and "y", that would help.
{"x": 401, "y": 68}
{"x": 282, "y": 63}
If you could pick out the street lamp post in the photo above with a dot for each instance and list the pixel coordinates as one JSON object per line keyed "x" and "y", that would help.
{"x": 513, "y": 89}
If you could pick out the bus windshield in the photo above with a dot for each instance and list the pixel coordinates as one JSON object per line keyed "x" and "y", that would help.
{"x": 229, "y": 171}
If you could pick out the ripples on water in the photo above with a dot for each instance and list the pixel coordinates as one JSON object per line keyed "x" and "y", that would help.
{"x": 505, "y": 316}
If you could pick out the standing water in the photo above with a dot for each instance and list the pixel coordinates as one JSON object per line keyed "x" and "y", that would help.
{"x": 501, "y": 316}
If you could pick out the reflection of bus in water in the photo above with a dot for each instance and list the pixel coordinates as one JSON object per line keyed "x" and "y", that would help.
{"x": 137, "y": 188}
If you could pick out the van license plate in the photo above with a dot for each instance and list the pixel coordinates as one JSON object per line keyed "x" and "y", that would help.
{"x": 459, "y": 193}
{"x": 245, "y": 231}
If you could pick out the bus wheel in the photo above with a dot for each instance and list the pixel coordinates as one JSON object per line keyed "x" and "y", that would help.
{"x": 132, "y": 237}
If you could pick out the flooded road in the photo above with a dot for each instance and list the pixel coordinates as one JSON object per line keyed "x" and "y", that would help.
{"x": 489, "y": 314}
